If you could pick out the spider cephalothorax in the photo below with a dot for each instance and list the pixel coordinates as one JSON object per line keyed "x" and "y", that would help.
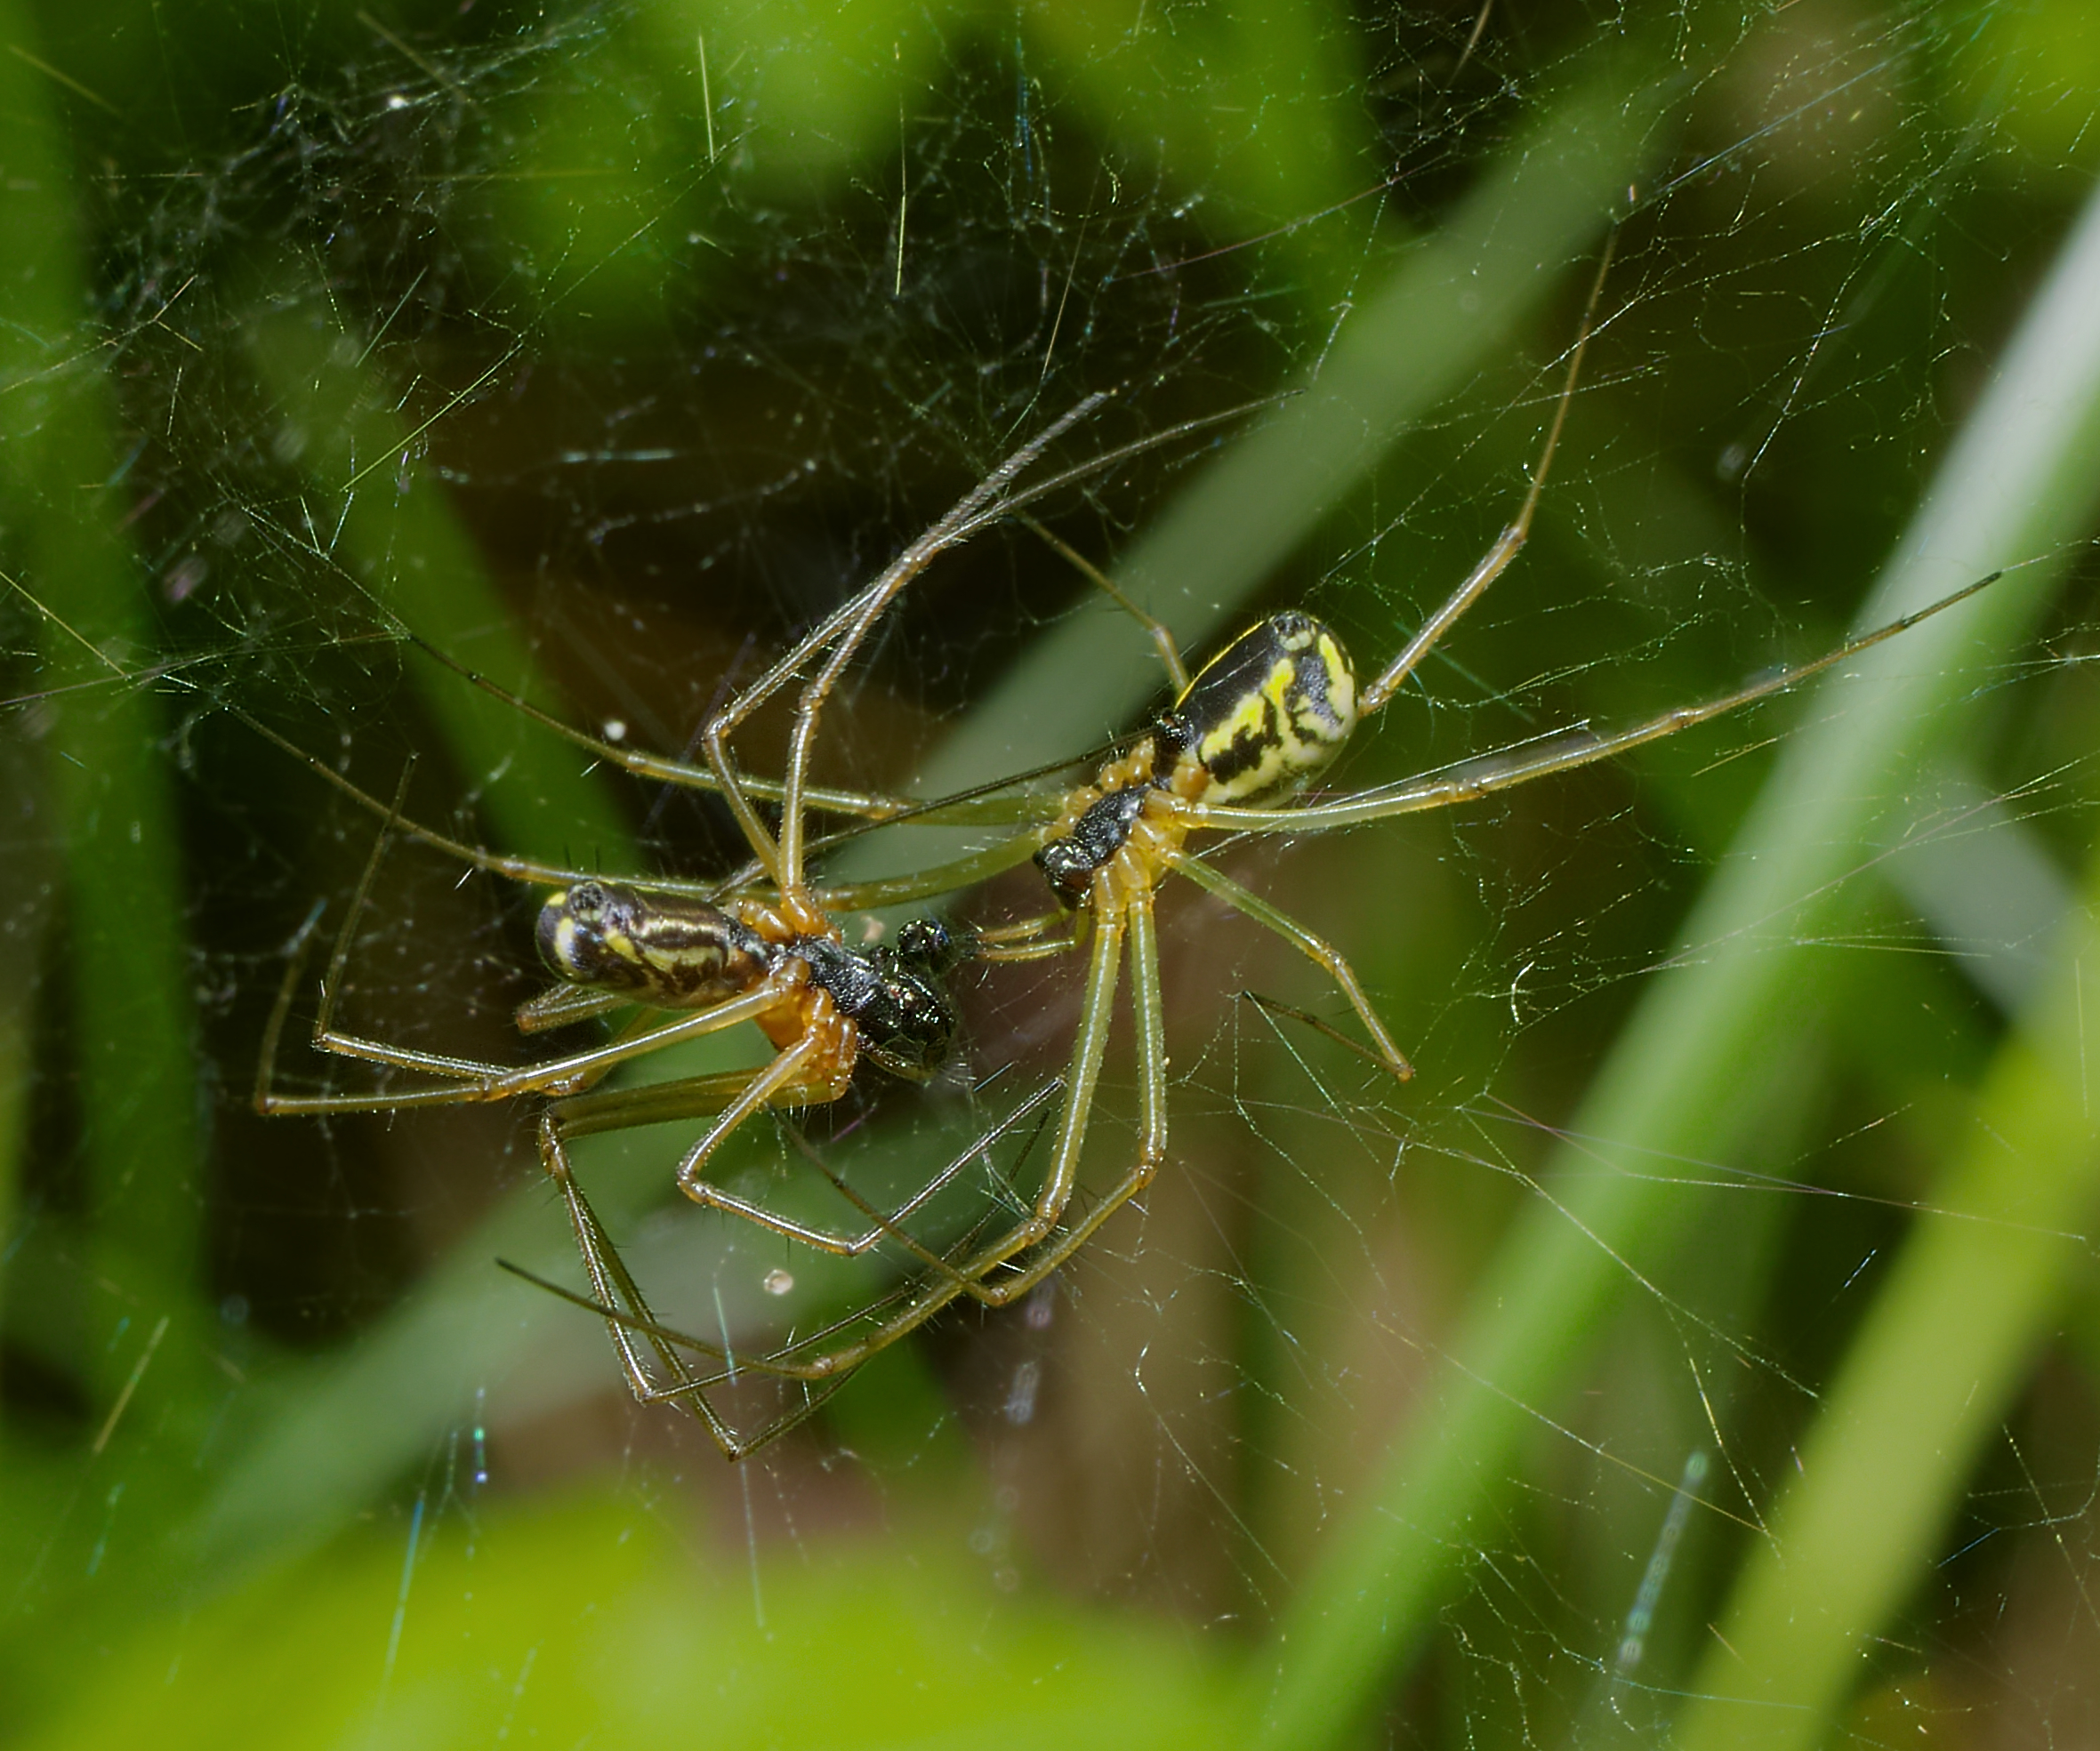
{"x": 1260, "y": 720}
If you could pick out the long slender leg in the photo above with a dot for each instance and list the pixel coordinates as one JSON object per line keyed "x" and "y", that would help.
{"x": 1042, "y": 937}
{"x": 1510, "y": 542}
{"x": 687, "y": 1391}
{"x": 1089, "y": 1048}
{"x": 781, "y": 1364}
{"x": 978, "y": 866}
{"x": 862, "y": 805}
{"x": 880, "y": 1226}
{"x": 615, "y": 1288}
{"x": 1252, "y": 905}
{"x": 564, "y": 1006}
{"x": 718, "y": 773}
{"x": 994, "y": 497}
{"x": 1148, "y": 1016}
{"x": 844, "y": 629}
{"x": 360, "y": 898}
{"x": 1563, "y": 753}
{"x": 558, "y": 1076}
{"x": 604, "y": 1109}
{"x": 325, "y": 1037}
{"x": 968, "y": 516}
{"x": 1152, "y": 1112}
{"x": 273, "y": 1030}
{"x": 1134, "y": 916}
{"x": 620, "y": 1302}
{"x": 816, "y": 1361}
{"x": 617, "y": 1299}
{"x": 495, "y": 863}
{"x": 815, "y": 1055}
{"x": 1157, "y": 631}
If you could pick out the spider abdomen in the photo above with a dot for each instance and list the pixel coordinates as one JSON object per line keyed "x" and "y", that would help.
{"x": 668, "y": 954}
{"x": 1264, "y": 715}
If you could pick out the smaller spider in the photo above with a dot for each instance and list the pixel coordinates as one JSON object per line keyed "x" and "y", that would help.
{"x": 688, "y": 968}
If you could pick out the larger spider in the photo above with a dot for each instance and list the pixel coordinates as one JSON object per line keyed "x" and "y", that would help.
{"x": 1242, "y": 739}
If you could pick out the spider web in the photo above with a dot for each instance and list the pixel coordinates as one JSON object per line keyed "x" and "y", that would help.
{"x": 604, "y": 350}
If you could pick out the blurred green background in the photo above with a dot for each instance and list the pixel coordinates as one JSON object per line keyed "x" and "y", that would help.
{"x": 1705, "y": 1342}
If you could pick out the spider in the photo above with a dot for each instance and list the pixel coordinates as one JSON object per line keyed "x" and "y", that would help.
{"x": 689, "y": 959}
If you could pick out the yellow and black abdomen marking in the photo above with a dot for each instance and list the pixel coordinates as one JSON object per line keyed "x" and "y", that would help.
{"x": 670, "y": 954}
{"x": 1264, "y": 715}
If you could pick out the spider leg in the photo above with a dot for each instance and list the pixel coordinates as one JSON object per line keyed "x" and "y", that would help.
{"x": 880, "y": 1226}
{"x": 1250, "y": 904}
{"x": 862, "y": 805}
{"x": 843, "y": 632}
{"x": 603, "y": 1110}
{"x": 273, "y": 1030}
{"x": 495, "y": 863}
{"x": 1511, "y": 541}
{"x": 816, "y": 1371}
{"x": 1149, "y": 1015}
{"x": 1113, "y": 921}
{"x": 982, "y": 503}
{"x": 807, "y": 1070}
{"x": 1484, "y": 777}
{"x": 564, "y": 1006}
{"x": 620, "y": 1302}
{"x": 1270, "y": 1007}
{"x": 1157, "y": 631}
{"x": 727, "y": 1363}
{"x": 326, "y": 1037}
{"x": 898, "y": 890}
{"x": 493, "y": 1082}
{"x": 1039, "y": 938}
{"x": 805, "y": 1367}
{"x": 615, "y": 1288}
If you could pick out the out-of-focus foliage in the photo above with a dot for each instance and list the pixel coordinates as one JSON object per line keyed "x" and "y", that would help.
{"x": 573, "y": 1623}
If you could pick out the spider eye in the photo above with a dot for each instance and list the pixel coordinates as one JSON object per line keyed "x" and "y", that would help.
{"x": 930, "y": 945}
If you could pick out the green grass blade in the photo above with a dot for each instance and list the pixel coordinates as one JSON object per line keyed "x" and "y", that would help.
{"x": 384, "y": 523}
{"x": 1687, "y": 1077}
{"x": 1982, "y": 1278}
{"x": 126, "y": 959}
